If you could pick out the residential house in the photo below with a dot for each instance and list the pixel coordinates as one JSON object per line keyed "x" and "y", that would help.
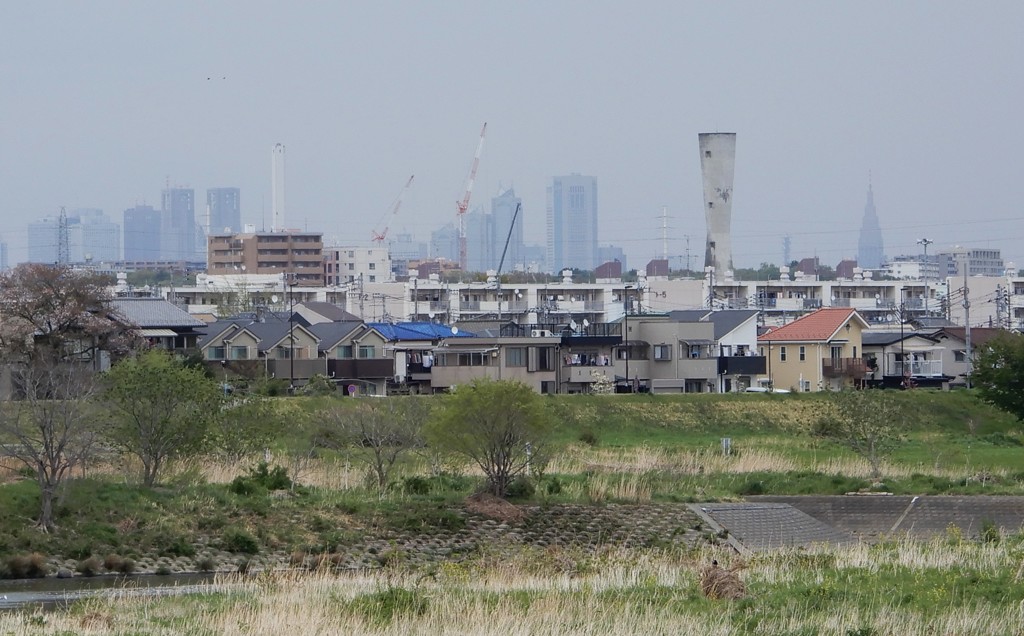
{"x": 162, "y": 324}
{"x": 905, "y": 359}
{"x": 820, "y": 350}
{"x": 953, "y": 353}
{"x": 270, "y": 349}
{"x": 356, "y": 356}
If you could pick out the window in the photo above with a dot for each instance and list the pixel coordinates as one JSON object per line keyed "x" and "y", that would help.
{"x": 836, "y": 352}
{"x": 782, "y": 354}
{"x": 662, "y": 352}
{"x": 239, "y": 353}
{"x": 344, "y": 352}
{"x": 540, "y": 359}
{"x": 515, "y": 357}
{"x": 960, "y": 356}
{"x": 367, "y": 351}
{"x": 216, "y": 353}
{"x": 373, "y": 265}
{"x": 351, "y": 266}
{"x": 803, "y": 353}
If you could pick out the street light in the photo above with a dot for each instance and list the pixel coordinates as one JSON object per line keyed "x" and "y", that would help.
{"x": 926, "y": 243}
{"x": 903, "y": 356}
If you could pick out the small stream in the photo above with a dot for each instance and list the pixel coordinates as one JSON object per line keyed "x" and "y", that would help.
{"x": 51, "y": 593}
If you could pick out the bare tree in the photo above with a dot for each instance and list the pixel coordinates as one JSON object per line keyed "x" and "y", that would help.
{"x": 870, "y": 422}
{"x": 377, "y": 431}
{"x": 51, "y": 428}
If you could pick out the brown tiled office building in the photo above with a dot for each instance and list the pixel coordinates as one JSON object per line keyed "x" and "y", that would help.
{"x": 298, "y": 253}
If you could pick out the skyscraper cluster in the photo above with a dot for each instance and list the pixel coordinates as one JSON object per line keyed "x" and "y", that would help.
{"x": 174, "y": 232}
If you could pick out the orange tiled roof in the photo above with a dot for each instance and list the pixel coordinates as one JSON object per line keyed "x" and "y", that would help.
{"x": 815, "y": 326}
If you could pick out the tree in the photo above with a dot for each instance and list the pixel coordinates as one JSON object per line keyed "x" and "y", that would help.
{"x": 244, "y": 427}
{"x": 51, "y": 428}
{"x": 870, "y": 422}
{"x": 160, "y": 409}
{"x": 998, "y": 372}
{"x": 379, "y": 431}
{"x": 501, "y": 426}
{"x": 55, "y": 312}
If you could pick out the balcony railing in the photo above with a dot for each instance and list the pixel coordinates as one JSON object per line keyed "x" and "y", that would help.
{"x": 919, "y": 368}
{"x": 844, "y": 367}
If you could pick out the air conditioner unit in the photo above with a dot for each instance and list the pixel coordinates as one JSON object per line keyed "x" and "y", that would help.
{"x": 540, "y": 333}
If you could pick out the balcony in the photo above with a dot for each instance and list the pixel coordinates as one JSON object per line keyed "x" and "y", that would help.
{"x": 742, "y": 365}
{"x": 362, "y": 368}
{"x": 919, "y": 368}
{"x": 811, "y": 303}
{"x": 844, "y": 367}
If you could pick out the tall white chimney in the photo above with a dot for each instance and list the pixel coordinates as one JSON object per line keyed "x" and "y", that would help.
{"x": 277, "y": 188}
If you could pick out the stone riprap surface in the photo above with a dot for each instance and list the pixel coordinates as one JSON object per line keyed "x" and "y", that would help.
{"x": 753, "y": 527}
{"x": 870, "y": 517}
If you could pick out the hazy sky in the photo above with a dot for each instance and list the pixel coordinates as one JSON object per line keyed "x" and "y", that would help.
{"x": 101, "y": 103}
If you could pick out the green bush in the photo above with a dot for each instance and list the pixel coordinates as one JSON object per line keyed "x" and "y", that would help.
{"x": 206, "y": 564}
{"x": 416, "y": 485}
{"x": 520, "y": 488}
{"x": 237, "y": 540}
{"x": 319, "y": 384}
{"x": 174, "y": 545}
{"x": 588, "y": 437}
{"x": 384, "y": 606}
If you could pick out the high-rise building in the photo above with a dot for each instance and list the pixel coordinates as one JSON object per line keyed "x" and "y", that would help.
{"x": 3, "y": 255}
{"x": 609, "y": 253}
{"x": 869, "y": 247}
{"x": 91, "y": 237}
{"x": 142, "y": 234}
{"x": 444, "y": 243}
{"x": 572, "y": 223}
{"x": 225, "y": 210}
{"x": 717, "y": 168}
{"x": 42, "y": 240}
{"x": 479, "y": 241}
{"x": 503, "y": 211}
{"x": 178, "y": 227}
{"x": 403, "y": 250}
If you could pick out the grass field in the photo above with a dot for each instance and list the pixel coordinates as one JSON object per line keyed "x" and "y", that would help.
{"x": 946, "y": 586}
{"x": 629, "y": 449}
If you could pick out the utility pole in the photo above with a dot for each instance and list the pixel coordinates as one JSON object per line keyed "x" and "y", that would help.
{"x": 967, "y": 327}
{"x": 925, "y": 242}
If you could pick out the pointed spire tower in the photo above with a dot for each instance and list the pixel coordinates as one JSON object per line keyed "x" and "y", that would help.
{"x": 869, "y": 248}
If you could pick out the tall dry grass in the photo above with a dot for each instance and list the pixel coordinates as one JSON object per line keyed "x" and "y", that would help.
{"x": 622, "y": 592}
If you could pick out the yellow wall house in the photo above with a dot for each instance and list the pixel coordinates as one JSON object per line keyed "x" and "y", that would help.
{"x": 821, "y": 350}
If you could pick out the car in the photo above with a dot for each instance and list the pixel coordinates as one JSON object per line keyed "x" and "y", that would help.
{"x": 764, "y": 389}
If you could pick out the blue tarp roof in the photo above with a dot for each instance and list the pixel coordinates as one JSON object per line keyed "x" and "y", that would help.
{"x": 416, "y": 331}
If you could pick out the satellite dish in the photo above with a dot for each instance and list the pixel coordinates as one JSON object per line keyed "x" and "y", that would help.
{"x": 430, "y": 315}
{"x": 273, "y": 298}
{"x": 586, "y": 323}
{"x": 573, "y": 325}
{"x": 515, "y": 291}
{"x": 455, "y": 331}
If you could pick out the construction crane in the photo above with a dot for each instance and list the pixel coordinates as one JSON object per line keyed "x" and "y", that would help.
{"x": 379, "y": 235}
{"x": 463, "y": 205}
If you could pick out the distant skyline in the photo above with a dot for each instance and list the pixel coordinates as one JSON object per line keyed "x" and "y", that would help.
{"x": 107, "y": 103}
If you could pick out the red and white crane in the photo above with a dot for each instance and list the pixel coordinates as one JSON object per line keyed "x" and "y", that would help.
{"x": 463, "y": 205}
{"x": 380, "y": 235}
